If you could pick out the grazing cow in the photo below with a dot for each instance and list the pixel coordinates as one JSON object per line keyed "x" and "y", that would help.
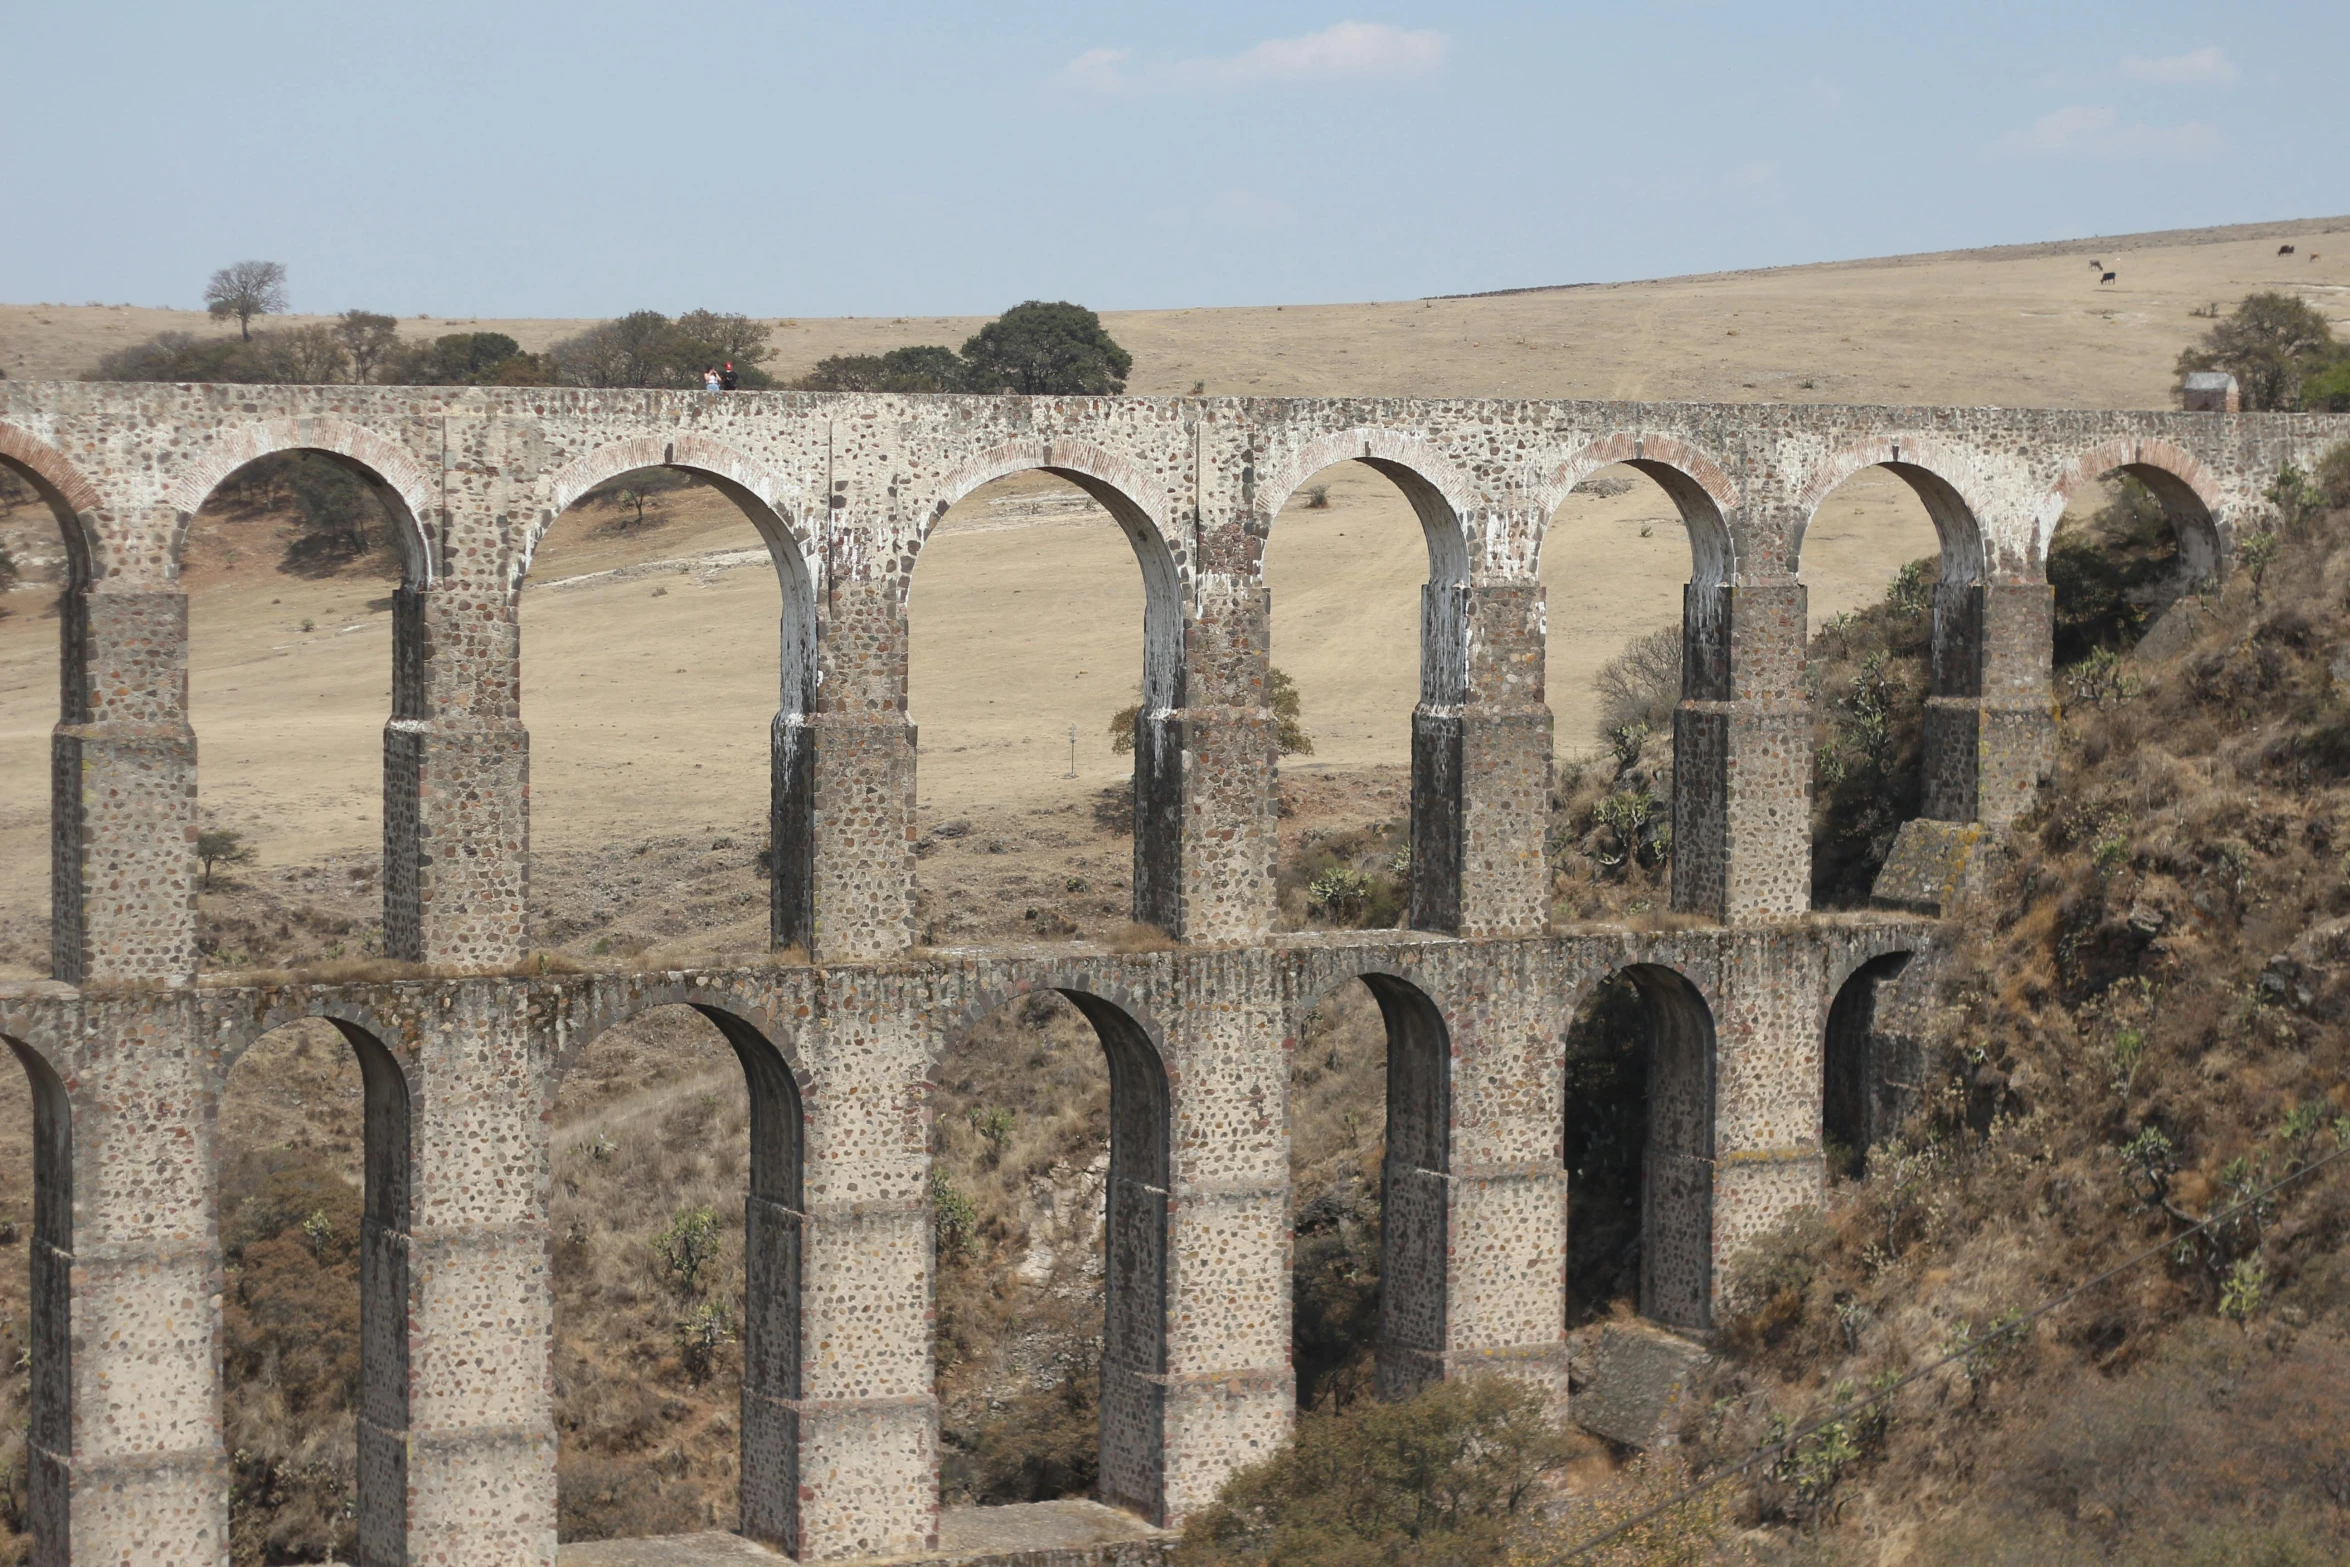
{"x": 2107, "y": 278}
{"x": 2099, "y": 265}
{"x": 2284, "y": 250}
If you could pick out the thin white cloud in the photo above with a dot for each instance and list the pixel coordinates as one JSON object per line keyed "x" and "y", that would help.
{"x": 2207, "y": 64}
{"x": 1345, "y": 52}
{"x": 2096, "y": 131}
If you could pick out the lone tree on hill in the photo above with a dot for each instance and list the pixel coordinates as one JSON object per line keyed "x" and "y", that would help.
{"x": 1046, "y": 350}
{"x": 222, "y": 847}
{"x": 246, "y": 289}
{"x": 368, "y": 339}
{"x": 2270, "y": 343}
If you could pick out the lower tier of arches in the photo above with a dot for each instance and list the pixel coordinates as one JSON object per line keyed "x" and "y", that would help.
{"x": 1749, "y": 1052}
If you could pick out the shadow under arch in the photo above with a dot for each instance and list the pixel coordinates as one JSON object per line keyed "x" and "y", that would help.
{"x": 1415, "y": 1184}
{"x": 1858, "y": 1107}
{"x": 70, "y": 498}
{"x": 1639, "y": 1145}
{"x": 49, "y": 1430}
{"x": 775, "y": 1246}
{"x": 777, "y": 511}
{"x": 2188, "y": 493}
{"x": 1135, "y": 1274}
{"x": 390, "y": 473}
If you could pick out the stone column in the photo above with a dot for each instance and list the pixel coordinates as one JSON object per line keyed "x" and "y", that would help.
{"x": 456, "y": 778}
{"x": 126, "y": 1462}
{"x": 1742, "y": 755}
{"x": 1767, "y": 1087}
{"x": 479, "y": 1445}
{"x": 123, "y": 789}
{"x": 860, "y": 1431}
{"x": 1498, "y": 1281}
{"x": 1205, "y": 825}
{"x": 1990, "y": 717}
{"x": 855, "y": 753}
{"x": 1229, "y": 1393}
{"x": 1481, "y": 738}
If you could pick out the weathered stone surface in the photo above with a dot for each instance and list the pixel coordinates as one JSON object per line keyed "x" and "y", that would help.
{"x": 1932, "y": 864}
{"x": 840, "y": 1422}
{"x": 1632, "y": 1382}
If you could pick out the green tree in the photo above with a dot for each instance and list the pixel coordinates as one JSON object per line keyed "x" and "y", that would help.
{"x": 221, "y": 847}
{"x": 245, "y": 289}
{"x": 311, "y": 355}
{"x": 641, "y": 348}
{"x": 1043, "y": 350}
{"x": 711, "y": 337}
{"x": 926, "y": 368}
{"x": 2270, "y": 343}
{"x": 465, "y": 359}
{"x": 368, "y": 341}
{"x": 1451, "y": 1477}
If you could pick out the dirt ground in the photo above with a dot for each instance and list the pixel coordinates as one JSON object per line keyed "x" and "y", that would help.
{"x": 650, "y": 652}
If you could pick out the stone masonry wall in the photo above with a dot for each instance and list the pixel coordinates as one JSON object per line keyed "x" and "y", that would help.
{"x": 127, "y": 1052}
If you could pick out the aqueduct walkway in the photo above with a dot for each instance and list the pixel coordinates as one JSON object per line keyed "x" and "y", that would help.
{"x": 127, "y": 1051}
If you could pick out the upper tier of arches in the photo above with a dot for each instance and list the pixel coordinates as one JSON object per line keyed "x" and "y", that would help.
{"x": 849, "y": 486}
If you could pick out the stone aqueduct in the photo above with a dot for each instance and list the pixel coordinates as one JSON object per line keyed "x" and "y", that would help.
{"x": 127, "y": 1049}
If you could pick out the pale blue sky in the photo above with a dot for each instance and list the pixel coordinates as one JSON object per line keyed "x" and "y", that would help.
{"x": 588, "y": 157}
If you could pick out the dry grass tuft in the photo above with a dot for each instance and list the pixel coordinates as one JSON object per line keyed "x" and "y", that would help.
{"x": 1139, "y": 936}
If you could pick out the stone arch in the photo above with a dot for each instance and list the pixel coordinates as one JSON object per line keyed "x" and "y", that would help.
{"x": 1704, "y": 494}
{"x": 2188, "y": 490}
{"x": 1855, "y": 1113}
{"x": 385, "y": 1244}
{"x": 1935, "y": 473}
{"x": 1415, "y": 1178}
{"x": 773, "y": 503}
{"x": 1136, "y": 1272}
{"x": 775, "y": 1235}
{"x": 71, "y": 498}
{"x": 409, "y": 494}
{"x": 50, "y": 1336}
{"x": 1145, "y": 513}
{"x": 1676, "y": 1179}
{"x": 1441, "y": 495}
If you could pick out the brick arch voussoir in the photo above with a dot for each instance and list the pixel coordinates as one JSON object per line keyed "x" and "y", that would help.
{"x": 606, "y": 1011}
{"x": 1320, "y": 980}
{"x": 1700, "y": 978}
{"x": 560, "y": 490}
{"x": 387, "y": 459}
{"x": 2101, "y": 459}
{"x": 1128, "y": 477}
{"x": 235, "y": 1032}
{"x": 1955, "y": 466}
{"x": 1557, "y": 480}
{"x": 1285, "y": 477}
{"x": 1561, "y": 477}
{"x": 1860, "y": 955}
{"x": 1093, "y": 981}
{"x": 84, "y": 542}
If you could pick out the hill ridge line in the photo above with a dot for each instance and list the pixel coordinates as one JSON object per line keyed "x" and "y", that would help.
{"x": 2221, "y": 234}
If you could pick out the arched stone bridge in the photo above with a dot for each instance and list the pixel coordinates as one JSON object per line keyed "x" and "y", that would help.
{"x": 127, "y": 1052}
